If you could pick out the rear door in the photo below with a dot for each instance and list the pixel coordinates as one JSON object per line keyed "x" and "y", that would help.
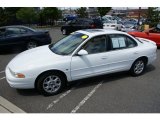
{"x": 123, "y": 52}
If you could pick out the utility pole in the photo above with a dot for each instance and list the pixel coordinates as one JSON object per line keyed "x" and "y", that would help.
{"x": 139, "y": 15}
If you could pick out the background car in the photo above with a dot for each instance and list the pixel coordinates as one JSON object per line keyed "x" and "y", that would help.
{"x": 153, "y": 30}
{"x": 69, "y": 17}
{"x": 81, "y": 23}
{"x": 114, "y": 25}
{"x": 129, "y": 26}
{"x": 151, "y": 34}
{"x": 24, "y": 37}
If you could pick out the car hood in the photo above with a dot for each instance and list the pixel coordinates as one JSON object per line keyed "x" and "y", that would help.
{"x": 34, "y": 58}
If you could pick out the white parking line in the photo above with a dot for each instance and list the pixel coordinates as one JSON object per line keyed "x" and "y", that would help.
{"x": 60, "y": 97}
{"x": 2, "y": 78}
{"x": 86, "y": 98}
{"x": 2, "y": 71}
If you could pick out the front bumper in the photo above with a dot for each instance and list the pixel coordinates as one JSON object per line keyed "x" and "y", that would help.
{"x": 21, "y": 83}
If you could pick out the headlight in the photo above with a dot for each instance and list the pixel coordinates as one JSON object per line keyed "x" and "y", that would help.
{"x": 17, "y": 75}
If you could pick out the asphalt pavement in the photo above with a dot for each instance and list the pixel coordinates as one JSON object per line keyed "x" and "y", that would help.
{"x": 114, "y": 93}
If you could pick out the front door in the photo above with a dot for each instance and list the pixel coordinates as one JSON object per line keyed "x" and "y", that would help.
{"x": 92, "y": 64}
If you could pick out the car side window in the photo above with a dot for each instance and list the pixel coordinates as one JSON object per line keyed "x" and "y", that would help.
{"x": 12, "y": 31}
{"x": 121, "y": 41}
{"x": 130, "y": 43}
{"x": 118, "y": 41}
{"x": 95, "y": 45}
{"x": 23, "y": 31}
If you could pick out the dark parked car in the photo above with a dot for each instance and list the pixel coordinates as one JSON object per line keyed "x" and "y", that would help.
{"x": 21, "y": 36}
{"x": 81, "y": 23}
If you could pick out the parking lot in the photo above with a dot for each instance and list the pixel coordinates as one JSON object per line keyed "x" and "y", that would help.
{"x": 114, "y": 93}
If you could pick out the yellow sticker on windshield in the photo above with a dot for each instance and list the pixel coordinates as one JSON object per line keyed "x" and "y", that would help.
{"x": 84, "y": 37}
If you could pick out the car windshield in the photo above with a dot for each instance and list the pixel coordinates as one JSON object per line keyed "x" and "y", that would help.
{"x": 68, "y": 44}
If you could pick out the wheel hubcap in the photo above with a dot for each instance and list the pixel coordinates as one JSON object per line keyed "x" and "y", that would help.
{"x": 52, "y": 84}
{"x": 31, "y": 45}
{"x": 139, "y": 66}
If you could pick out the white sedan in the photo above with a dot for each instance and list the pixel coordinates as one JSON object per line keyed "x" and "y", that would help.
{"x": 112, "y": 25}
{"x": 83, "y": 54}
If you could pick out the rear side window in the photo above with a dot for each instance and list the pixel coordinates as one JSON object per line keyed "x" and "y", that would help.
{"x": 130, "y": 43}
{"x": 121, "y": 41}
{"x": 23, "y": 31}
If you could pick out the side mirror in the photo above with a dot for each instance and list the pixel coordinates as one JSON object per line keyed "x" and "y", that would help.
{"x": 82, "y": 52}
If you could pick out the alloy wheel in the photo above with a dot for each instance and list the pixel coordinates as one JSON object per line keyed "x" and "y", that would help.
{"x": 31, "y": 45}
{"x": 51, "y": 84}
{"x": 139, "y": 67}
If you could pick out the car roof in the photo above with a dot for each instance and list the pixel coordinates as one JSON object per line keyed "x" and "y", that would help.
{"x": 95, "y": 32}
{"x": 17, "y": 26}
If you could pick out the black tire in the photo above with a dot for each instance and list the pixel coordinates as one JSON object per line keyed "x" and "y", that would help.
{"x": 138, "y": 67}
{"x": 43, "y": 78}
{"x": 31, "y": 44}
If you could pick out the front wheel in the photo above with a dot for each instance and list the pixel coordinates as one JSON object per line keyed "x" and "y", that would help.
{"x": 138, "y": 67}
{"x": 50, "y": 83}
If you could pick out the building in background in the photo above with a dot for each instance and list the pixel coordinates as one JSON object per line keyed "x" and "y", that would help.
{"x": 92, "y": 12}
{"x": 134, "y": 13}
{"x": 68, "y": 11}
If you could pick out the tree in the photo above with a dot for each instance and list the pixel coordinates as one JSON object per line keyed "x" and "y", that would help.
{"x": 103, "y": 10}
{"x": 27, "y": 15}
{"x": 49, "y": 14}
{"x": 153, "y": 16}
{"x": 10, "y": 15}
{"x": 82, "y": 12}
{"x": 2, "y": 17}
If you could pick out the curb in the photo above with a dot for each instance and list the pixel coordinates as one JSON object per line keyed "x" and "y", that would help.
{"x": 8, "y": 107}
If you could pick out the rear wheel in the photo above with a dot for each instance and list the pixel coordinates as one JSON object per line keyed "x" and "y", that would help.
{"x": 138, "y": 67}
{"x": 31, "y": 44}
{"x": 51, "y": 83}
